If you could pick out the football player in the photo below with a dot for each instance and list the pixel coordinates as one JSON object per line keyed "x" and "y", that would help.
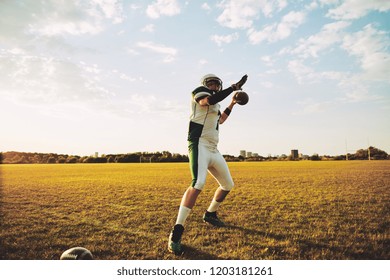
{"x": 204, "y": 156}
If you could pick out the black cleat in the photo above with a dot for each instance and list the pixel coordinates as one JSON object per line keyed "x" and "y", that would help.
{"x": 174, "y": 241}
{"x": 211, "y": 218}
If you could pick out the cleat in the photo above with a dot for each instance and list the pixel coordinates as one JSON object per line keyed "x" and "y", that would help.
{"x": 211, "y": 218}
{"x": 174, "y": 241}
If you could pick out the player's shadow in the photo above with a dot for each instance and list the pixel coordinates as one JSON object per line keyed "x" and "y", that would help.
{"x": 253, "y": 232}
{"x": 308, "y": 245}
{"x": 192, "y": 253}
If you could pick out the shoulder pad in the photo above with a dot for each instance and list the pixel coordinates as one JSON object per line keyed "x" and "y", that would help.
{"x": 201, "y": 92}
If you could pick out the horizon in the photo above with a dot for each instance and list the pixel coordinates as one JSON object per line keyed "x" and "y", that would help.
{"x": 115, "y": 76}
{"x": 97, "y": 154}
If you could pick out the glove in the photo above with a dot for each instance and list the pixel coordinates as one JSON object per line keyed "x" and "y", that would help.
{"x": 240, "y": 83}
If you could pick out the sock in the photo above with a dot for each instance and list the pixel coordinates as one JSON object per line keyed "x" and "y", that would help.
{"x": 182, "y": 215}
{"x": 213, "y": 206}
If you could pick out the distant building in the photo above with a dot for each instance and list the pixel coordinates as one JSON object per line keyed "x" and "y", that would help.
{"x": 243, "y": 153}
{"x": 248, "y": 154}
{"x": 96, "y": 154}
{"x": 294, "y": 154}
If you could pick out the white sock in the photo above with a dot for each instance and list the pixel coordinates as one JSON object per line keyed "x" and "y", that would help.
{"x": 214, "y": 206}
{"x": 182, "y": 215}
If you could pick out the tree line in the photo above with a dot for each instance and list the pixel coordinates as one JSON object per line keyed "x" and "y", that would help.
{"x": 165, "y": 156}
{"x": 22, "y": 157}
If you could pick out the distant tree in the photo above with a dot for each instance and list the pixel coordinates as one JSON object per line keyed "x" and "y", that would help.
{"x": 1, "y": 158}
{"x": 284, "y": 157}
{"x": 110, "y": 159}
{"x": 89, "y": 160}
{"x": 179, "y": 158}
{"x": 61, "y": 159}
{"x": 72, "y": 159}
{"x": 119, "y": 158}
{"x": 375, "y": 153}
{"x": 36, "y": 159}
{"x": 340, "y": 157}
{"x": 94, "y": 160}
{"x": 315, "y": 157}
{"x": 132, "y": 158}
{"x": 51, "y": 160}
{"x": 100, "y": 160}
{"x": 166, "y": 157}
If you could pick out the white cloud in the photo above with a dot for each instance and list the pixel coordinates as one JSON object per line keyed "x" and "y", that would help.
{"x": 301, "y": 72}
{"x": 277, "y": 32}
{"x": 281, "y": 4}
{"x": 329, "y": 2}
{"x": 256, "y": 37}
{"x": 267, "y": 84}
{"x": 273, "y": 71}
{"x": 112, "y": 9}
{"x": 351, "y": 87}
{"x": 163, "y": 8}
{"x": 311, "y": 106}
{"x": 169, "y": 52}
{"x": 57, "y": 86}
{"x": 132, "y": 51}
{"x": 19, "y": 23}
{"x": 354, "y": 9}
{"x": 151, "y": 104}
{"x": 148, "y": 28}
{"x": 240, "y": 14}
{"x": 203, "y": 62}
{"x": 289, "y": 22}
{"x": 329, "y": 35}
{"x": 356, "y": 89}
{"x": 58, "y": 27}
{"x": 30, "y": 79}
{"x": 206, "y": 7}
{"x": 126, "y": 77}
{"x": 267, "y": 60}
{"x": 312, "y": 6}
{"x": 370, "y": 47}
{"x": 307, "y": 75}
{"x": 74, "y": 18}
{"x": 220, "y": 39}
{"x": 135, "y": 7}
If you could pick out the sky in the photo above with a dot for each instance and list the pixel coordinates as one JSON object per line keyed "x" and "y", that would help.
{"x": 112, "y": 76}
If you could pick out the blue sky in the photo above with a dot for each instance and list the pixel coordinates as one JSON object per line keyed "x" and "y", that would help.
{"x": 111, "y": 76}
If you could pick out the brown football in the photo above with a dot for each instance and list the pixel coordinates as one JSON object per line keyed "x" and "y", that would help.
{"x": 77, "y": 253}
{"x": 241, "y": 97}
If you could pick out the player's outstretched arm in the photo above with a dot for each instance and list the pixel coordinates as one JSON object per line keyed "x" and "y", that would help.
{"x": 221, "y": 95}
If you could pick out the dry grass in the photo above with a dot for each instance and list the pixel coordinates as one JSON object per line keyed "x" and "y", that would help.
{"x": 277, "y": 210}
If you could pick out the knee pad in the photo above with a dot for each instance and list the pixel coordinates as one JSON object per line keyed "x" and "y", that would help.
{"x": 199, "y": 184}
{"x": 228, "y": 186}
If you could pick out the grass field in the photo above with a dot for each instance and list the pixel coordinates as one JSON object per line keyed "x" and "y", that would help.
{"x": 277, "y": 210}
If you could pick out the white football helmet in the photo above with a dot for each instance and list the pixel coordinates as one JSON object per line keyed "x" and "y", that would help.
{"x": 211, "y": 77}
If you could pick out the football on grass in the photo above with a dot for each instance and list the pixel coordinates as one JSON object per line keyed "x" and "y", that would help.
{"x": 77, "y": 253}
{"x": 241, "y": 97}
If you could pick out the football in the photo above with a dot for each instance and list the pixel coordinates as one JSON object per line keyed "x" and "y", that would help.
{"x": 241, "y": 97}
{"x": 77, "y": 253}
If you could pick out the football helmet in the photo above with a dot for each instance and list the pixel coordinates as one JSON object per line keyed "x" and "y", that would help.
{"x": 211, "y": 78}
